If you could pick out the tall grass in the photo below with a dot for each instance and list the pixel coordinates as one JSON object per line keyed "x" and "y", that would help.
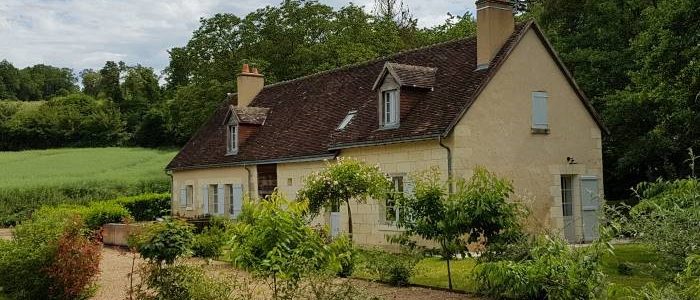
{"x": 29, "y": 179}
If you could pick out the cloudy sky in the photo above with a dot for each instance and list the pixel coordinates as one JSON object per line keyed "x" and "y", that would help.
{"x": 83, "y": 34}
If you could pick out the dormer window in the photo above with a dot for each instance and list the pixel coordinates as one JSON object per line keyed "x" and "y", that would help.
{"x": 232, "y": 139}
{"x": 390, "y": 108}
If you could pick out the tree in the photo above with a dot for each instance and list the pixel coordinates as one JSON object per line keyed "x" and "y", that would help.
{"x": 478, "y": 209}
{"x": 91, "y": 82}
{"x": 192, "y": 106}
{"x": 140, "y": 92}
{"x": 9, "y": 80}
{"x": 342, "y": 181}
{"x": 110, "y": 76}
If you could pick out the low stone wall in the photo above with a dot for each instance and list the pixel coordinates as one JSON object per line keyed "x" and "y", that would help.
{"x": 117, "y": 234}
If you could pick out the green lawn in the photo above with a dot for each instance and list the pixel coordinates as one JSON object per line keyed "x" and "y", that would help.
{"x": 433, "y": 271}
{"x": 30, "y": 179}
{"x": 55, "y": 167}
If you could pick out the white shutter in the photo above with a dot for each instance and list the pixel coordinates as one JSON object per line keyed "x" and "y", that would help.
{"x": 183, "y": 196}
{"x": 335, "y": 224}
{"x": 539, "y": 110}
{"x": 205, "y": 199}
{"x": 220, "y": 199}
{"x": 237, "y": 204}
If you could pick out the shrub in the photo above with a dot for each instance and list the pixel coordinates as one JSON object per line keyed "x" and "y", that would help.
{"x": 181, "y": 282}
{"x": 395, "y": 269}
{"x": 210, "y": 242}
{"x": 40, "y": 243}
{"x": 75, "y": 265}
{"x": 625, "y": 268}
{"x": 553, "y": 271}
{"x": 164, "y": 241}
{"x": 346, "y": 254}
{"x": 99, "y": 213}
{"x": 147, "y": 207}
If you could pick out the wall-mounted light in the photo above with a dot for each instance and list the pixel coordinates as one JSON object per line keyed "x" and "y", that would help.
{"x": 570, "y": 160}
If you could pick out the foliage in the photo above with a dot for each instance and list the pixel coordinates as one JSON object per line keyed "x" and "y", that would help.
{"x": 51, "y": 238}
{"x": 192, "y": 105}
{"x": 346, "y": 254}
{"x": 75, "y": 120}
{"x": 666, "y": 218}
{"x": 77, "y": 176}
{"x": 146, "y": 207}
{"x": 478, "y": 210}
{"x": 164, "y": 241}
{"x": 341, "y": 181}
{"x": 210, "y": 242}
{"x": 273, "y": 240}
{"x": 395, "y": 269}
{"x": 99, "y": 213}
{"x": 38, "y": 82}
{"x": 76, "y": 264}
{"x": 554, "y": 271}
{"x": 181, "y": 282}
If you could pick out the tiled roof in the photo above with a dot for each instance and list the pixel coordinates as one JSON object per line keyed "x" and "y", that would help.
{"x": 409, "y": 75}
{"x": 305, "y": 112}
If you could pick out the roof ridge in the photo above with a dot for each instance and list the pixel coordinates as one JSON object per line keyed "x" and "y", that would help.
{"x": 367, "y": 62}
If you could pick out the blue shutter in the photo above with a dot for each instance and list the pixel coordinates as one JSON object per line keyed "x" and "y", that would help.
{"x": 539, "y": 110}
{"x": 183, "y": 196}
{"x": 589, "y": 207}
{"x": 237, "y": 196}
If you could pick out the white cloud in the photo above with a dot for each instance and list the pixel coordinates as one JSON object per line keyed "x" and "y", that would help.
{"x": 84, "y": 33}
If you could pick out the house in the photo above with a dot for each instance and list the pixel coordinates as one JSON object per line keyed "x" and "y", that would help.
{"x": 502, "y": 100}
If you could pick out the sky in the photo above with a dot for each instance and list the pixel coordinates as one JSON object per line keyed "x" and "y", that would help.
{"x": 82, "y": 34}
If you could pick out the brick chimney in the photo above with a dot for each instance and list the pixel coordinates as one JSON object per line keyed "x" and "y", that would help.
{"x": 249, "y": 84}
{"x": 494, "y": 24}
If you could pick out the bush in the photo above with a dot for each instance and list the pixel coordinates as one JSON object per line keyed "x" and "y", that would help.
{"x": 553, "y": 271}
{"x": 102, "y": 212}
{"x": 164, "y": 241}
{"x": 147, "y": 207}
{"x": 75, "y": 265}
{"x": 394, "y": 269}
{"x": 625, "y": 268}
{"x": 182, "y": 282}
{"x": 47, "y": 241}
{"x": 346, "y": 254}
{"x": 210, "y": 242}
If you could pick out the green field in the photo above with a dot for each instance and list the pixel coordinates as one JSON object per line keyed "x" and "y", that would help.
{"x": 29, "y": 179}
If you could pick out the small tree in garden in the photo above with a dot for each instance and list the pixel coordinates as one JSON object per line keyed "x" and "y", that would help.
{"x": 164, "y": 241}
{"x": 273, "y": 240}
{"x": 479, "y": 208}
{"x": 342, "y": 181}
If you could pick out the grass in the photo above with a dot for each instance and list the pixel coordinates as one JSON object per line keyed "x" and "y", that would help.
{"x": 433, "y": 271}
{"x": 33, "y": 178}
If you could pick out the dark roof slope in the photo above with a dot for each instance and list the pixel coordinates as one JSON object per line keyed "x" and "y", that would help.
{"x": 305, "y": 112}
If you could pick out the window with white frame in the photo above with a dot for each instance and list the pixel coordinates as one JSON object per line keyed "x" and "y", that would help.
{"x": 400, "y": 188}
{"x": 228, "y": 195}
{"x": 186, "y": 196}
{"x": 390, "y": 108}
{"x": 540, "y": 123}
{"x": 213, "y": 193}
{"x": 232, "y": 139}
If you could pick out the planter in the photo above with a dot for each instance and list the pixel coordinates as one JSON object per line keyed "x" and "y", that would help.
{"x": 117, "y": 234}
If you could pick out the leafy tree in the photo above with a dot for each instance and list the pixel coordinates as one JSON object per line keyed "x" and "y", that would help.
{"x": 164, "y": 242}
{"x": 192, "y": 106}
{"x": 342, "y": 181}
{"x": 272, "y": 239}
{"x": 9, "y": 80}
{"x": 140, "y": 91}
{"x": 91, "y": 82}
{"x": 478, "y": 209}
{"x": 110, "y": 75}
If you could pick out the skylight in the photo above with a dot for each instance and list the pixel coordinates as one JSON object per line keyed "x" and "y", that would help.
{"x": 347, "y": 120}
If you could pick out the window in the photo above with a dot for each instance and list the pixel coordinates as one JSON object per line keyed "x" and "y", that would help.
{"x": 346, "y": 121}
{"x": 539, "y": 113}
{"x": 228, "y": 195}
{"x": 232, "y": 136}
{"x": 392, "y": 210}
{"x": 186, "y": 196}
{"x": 213, "y": 199}
{"x": 567, "y": 200}
{"x": 390, "y": 108}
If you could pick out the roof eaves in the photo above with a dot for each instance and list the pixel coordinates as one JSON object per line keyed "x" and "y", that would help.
{"x": 258, "y": 162}
{"x": 384, "y": 141}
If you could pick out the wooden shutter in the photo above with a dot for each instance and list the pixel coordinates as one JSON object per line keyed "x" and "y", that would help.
{"x": 183, "y": 196}
{"x": 237, "y": 205}
{"x": 539, "y": 110}
{"x": 335, "y": 224}
{"x": 590, "y": 203}
{"x": 205, "y": 199}
{"x": 220, "y": 199}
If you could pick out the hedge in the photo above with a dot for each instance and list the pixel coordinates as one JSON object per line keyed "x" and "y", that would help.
{"x": 146, "y": 207}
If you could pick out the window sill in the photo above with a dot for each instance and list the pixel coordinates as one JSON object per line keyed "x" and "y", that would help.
{"x": 388, "y": 227}
{"x": 539, "y": 130}
{"x": 231, "y": 153}
{"x": 189, "y": 208}
{"x": 388, "y": 127}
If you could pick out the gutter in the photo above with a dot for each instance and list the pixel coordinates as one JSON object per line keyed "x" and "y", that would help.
{"x": 260, "y": 162}
{"x": 172, "y": 190}
{"x": 385, "y": 142}
{"x": 449, "y": 164}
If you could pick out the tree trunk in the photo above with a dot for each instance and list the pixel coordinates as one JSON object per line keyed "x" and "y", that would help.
{"x": 449, "y": 275}
{"x": 349, "y": 220}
